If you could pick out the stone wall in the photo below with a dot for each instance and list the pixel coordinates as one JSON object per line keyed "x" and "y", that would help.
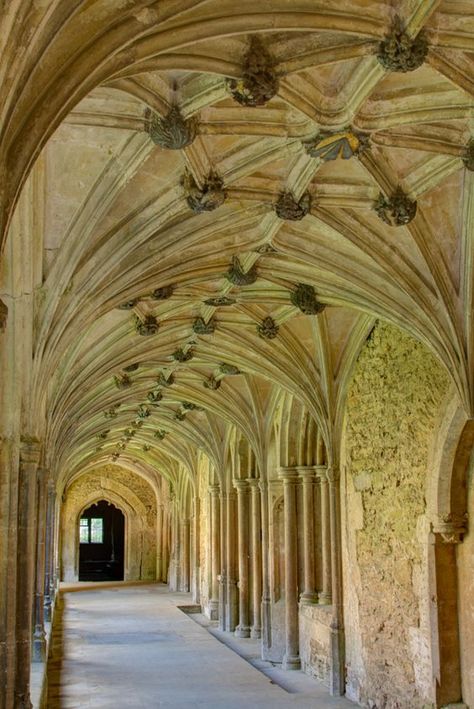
{"x": 393, "y": 403}
{"x": 466, "y": 598}
{"x": 136, "y": 499}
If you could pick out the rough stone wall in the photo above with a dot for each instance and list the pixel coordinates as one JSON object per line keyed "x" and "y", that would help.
{"x": 465, "y": 560}
{"x": 393, "y": 402}
{"x": 315, "y": 641}
{"x": 135, "y": 497}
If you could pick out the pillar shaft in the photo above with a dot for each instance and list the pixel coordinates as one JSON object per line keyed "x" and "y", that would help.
{"x": 256, "y": 559}
{"x": 215, "y": 551}
{"x": 159, "y": 545}
{"x": 223, "y": 565}
{"x": 243, "y": 628}
{"x": 337, "y": 679}
{"x": 325, "y": 596}
{"x": 291, "y": 658}
{"x": 265, "y": 547}
{"x": 309, "y": 594}
{"x": 232, "y": 598}
{"x": 49, "y": 549}
{"x": 29, "y": 459}
{"x": 39, "y": 637}
{"x": 185, "y": 554}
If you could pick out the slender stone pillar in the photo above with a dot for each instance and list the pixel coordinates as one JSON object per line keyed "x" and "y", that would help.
{"x": 309, "y": 594}
{"x": 185, "y": 554}
{"x": 29, "y": 459}
{"x": 223, "y": 556}
{"x": 49, "y": 556}
{"x": 232, "y": 597}
{"x": 337, "y": 630}
{"x": 266, "y": 599}
{"x": 215, "y": 551}
{"x": 165, "y": 545}
{"x": 325, "y": 596}
{"x": 291, "y": 658}
{"x": 39, "y": 637}
{"x": 256, "y": 558}
{"x": 159, "y": 542}
{"x": 242, "y": 487}
{"x": 196, "y": 588}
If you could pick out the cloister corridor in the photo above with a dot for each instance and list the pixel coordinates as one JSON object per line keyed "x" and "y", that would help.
{"x": 126, "y": 645}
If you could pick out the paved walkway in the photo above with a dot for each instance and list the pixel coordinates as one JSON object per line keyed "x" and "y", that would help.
{"x": 130, "y": 646}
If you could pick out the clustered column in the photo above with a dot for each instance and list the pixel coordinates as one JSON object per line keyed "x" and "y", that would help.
{"x": 256, "y": 558}
{"x": 215, "y": 550}
{"x": 309, "y": 594}
{"x": 243, "y": 628}
{"x": 39, "y": 637}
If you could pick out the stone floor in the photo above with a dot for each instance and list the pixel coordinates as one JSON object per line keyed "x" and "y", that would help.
{"x": 130, "y": 646}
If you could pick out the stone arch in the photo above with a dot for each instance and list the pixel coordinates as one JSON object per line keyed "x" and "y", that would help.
{"x": 138, "y": 505}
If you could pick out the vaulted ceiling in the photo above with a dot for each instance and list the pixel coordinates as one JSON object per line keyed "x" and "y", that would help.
{"x": 175, "y": 220}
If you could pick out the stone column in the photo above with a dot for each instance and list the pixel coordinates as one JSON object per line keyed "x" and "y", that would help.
{"x": 159, "y": 542}
{"x": 307, "y": 477}
{"x": 185, "y": 556}
{"x": 29, "y": 459}
{"x": 164, "y": 545}
{"x": 265, "y": 546}
{"x": 197, "y": 550}
{"x": 215, "y": 551}
{"x": 223, "y": 559}
{"x": 291, "y": 658}
{"x": 232, "y": 598}
{"x": 325, "y": 596}
{"x": 337, "y": 630}
{"x": 39, "y": 637}
{"x": 242, "y": 487}
{"x": 49, "y": 583}
{"x": 256, "y": 558}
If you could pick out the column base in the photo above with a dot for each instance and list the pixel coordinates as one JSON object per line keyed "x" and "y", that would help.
{"x": 256, "y": 633}
{"x": 325, "y": 599}
{"x": 291, "y": 662}
{"x": 23, "y": 701}
{"x": 38, "y": 653}
{"x": 213, "y": 609}
{"x": 308, "y": 598}
{"x": 242, "y": 632}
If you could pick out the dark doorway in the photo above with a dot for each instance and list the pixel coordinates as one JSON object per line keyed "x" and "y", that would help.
{"x": 101, "y": 543}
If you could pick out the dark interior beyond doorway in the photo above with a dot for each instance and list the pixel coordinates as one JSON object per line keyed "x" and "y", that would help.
{"x": 101, "y": 548}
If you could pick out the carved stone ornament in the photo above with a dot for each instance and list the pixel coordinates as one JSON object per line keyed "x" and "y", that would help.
{"x": 220, "y": 300}
{"x": 103, "y": 434}
{"x": 286, "y": 206}
{"x": 122, "y": 381}
{"x": 180, "y": 415}
{"x": 137, "y": 423}
{"x": 3, "y": 316}
{"x": 451, "y": 527}
{"x": 206, "y": 198}
{"x": 229, "y": 369}
{"x": 129, "y": 304}
{"x": 143, "y": 411}
{"x": 238, "y": 276}
{"x": 259, "y": 82}
{"x": 400, "y": 52}
{"x": 304, "y": 297}
{"x": 397, "y": 210}
{"x": 189, "y": 406}
{"x": 212, "y": 383}
{"x": 201, "y": 327}
{"x": 468, "y": 158}
{"x": 268, "y": 329}
{"x": 160, "y": 434}
{"x": 162, "y": 381}
{"x": 266, "y": 249}
{"x": 121, "y": 445}
{"x": 339, "y": 144}
{"x": 146, "y": 447}
{"x": 173, "y": 131}
{"x": 154, "y": 396}
{"x": 181, "y": 356}
{"x": 148, "y": 326}
{"x": 129, "y": 433}
{"x": 115, "y": 456}
{"x": 163, "y": 293}
{"x": 98, "y": 448}
{"x": 110, "y": 413}
{"x": 131, "y": 367}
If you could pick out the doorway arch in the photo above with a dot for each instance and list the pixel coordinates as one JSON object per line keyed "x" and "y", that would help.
{"x": 101, "y": 543}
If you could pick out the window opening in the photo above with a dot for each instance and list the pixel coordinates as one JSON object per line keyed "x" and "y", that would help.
{"x": 91, "y": 530}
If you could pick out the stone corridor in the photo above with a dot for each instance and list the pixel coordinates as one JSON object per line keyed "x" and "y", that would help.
{"x": 126, "y": 646}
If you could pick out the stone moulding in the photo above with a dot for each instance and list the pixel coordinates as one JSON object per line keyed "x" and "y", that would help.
{"x": 206, "y": 198}
{"x": 173, "y": 131}
{"x": 340, "y": 144}
{"x": 220, "y": 300}
{"x": 288, "y": 208}
{"x": 122, "y": 381}
{"x": 163, "y": 293}
{"x": 146, "y": 327}
{"x": 201, "y": 327}
{"x": 400, "y": 52}
{"x": 259, "y": 82}
{"x": 180, "y": 355}
{"x": 304, "y": 298}
{"x": 268, "y": 329}
{"x": 396, "y": 210}
{"x": 238, "y": 276}
{"x": 212, "y": 383}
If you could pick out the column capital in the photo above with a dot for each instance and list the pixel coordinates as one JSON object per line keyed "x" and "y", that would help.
{"x": 254, "y": 483}
{"x": 288, "y": 475}
{"x": 333, "y": 474}
{"x": 214, "y": 489}
{"x": 451, "y": 527}
{"x": 30, "y": 450}
{"x": 240, "y": 485}
{"x": 306, "y": 473}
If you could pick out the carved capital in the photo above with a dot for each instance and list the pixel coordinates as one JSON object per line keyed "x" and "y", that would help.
{"x": 259, "y": 82}
{"x": 288, "y": 475}
{"x": 214, "y": 490}
{"x": 400, "y": 52}
{"x": 173, "y": 131}
{"x": 289, "y": 208}
{"x": 241, "y": 486}
{"x": 30, "y": 450}
{"x": 451, "y": 527}
{"x": 396, "y": 210}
